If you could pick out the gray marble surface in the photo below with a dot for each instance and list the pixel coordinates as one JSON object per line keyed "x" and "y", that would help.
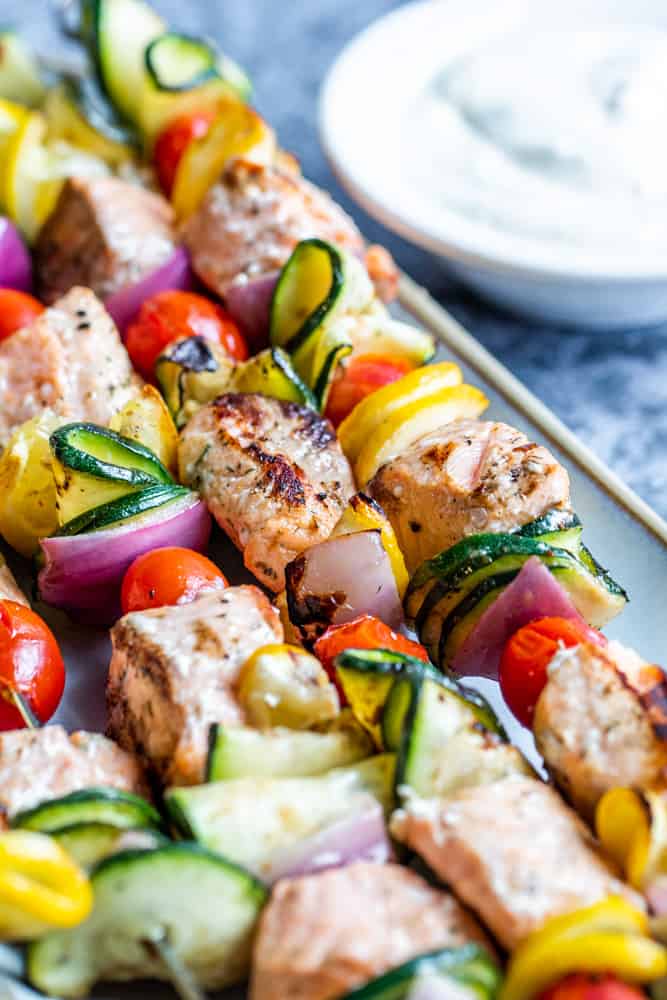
{"x": 610, "y": 388}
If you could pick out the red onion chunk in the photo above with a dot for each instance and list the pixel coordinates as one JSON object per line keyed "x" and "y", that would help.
{"x": 534, "y": 593}
{"x": 173, "y": 275}
{"x": 15, "y": 262}
{"x": 249, "y": 304}
{"x": 342, "y": 578}
{"x": 362, "y": 837}
{"x": 83, "y": 573}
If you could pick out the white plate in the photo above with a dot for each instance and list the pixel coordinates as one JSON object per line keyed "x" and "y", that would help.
{"x": 368, "y": 94}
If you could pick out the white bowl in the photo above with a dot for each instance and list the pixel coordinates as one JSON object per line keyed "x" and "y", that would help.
{"x": 368, "y": 93}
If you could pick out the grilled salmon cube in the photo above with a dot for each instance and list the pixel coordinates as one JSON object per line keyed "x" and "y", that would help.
{"x": 600, "y": 722}
{"x": 470, "y": 476}
{"x": 103, "y": 233}
{"x": 173, "y": 673}
{"x": 512, "y": 851}
{"x": 272, "y": 473}
{"x": 322, "y": 935}
{"x": 251, "y": 220}
{"x": 41, "y": 764}
{"x": 70, "y": 360}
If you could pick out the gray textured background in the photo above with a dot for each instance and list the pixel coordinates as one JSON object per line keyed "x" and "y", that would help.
{"x": 610, "y": 388}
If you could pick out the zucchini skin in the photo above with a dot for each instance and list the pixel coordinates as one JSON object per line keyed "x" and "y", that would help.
{"x": 170, "y": 37}
{"x": 134, "y": 456}
{"x": 387, "y": 663}
{"x": 116, "y": 511}
{"x": 110, "y": 805}
{"x": 317, "y": 316}
{"x": 457, "y": 584}
{"x": 470, "y": 965}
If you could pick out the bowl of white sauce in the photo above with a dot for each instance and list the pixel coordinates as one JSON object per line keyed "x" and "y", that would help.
{"x": 523, "y": 142}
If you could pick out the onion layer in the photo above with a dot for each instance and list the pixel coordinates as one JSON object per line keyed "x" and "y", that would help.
{"x": 361, "y": 837}
{"x": 15, "y": 262}
{"x": 534, "y": 593}
{"x": 173, "y": 275}
{"x": 340, "y": 579}
{"x": 83, "y": 573}
{"x": 249, "y": 304}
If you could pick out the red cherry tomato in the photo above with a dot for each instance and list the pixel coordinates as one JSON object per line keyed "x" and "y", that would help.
{"x": 170, "y": 575}
{"x": 169, "y": 315}
{"x": 17, "y": 309}
{"x": 30, "y": 663}
{"x": 358, "y": 379}
{"x": 174, "y": 140}
{"x": 365, "y": 632}
{"x": 584, "y": 987}
{"x": 527, "y": 654}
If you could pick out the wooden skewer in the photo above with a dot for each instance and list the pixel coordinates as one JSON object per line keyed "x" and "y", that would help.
{"x": 180, "y": 977}
{"x": 24, "y": 709}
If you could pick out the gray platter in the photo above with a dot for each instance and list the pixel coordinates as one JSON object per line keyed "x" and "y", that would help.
{"x": 621, "y": 530}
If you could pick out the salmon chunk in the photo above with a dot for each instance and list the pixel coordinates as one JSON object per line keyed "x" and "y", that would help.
{"x": 103, "y": 233}
{"x": 173, "y": 672}
{"x": 596, "y": 724}
{"x": 273, "y": 475}
{"x": 468, "y": 477}
{"x": 41, "y": 764}
{"x": 251, "y": 220}
{"x": 322, "y": 935}
{"x": 512, "y": 851}
{"x": 70, "y": 360}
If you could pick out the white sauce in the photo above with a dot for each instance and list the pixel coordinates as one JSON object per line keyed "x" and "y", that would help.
{"x": 558, "y": 136}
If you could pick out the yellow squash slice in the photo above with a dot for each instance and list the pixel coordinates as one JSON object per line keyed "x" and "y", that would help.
{"x": 413, "y": 420}
{"x": 147, "y": 420}
{"x": 28, "y": 500}
{"x": 375, "y": 409}
{"x": 364, "y": 514}
{"x": 238, "y": 131}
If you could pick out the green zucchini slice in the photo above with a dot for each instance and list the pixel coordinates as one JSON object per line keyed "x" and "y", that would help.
{"x": 272, "y": 373}
{"x": 377, "y": 332}
{"x": 235, "y": 76}
{"x": 118, "y": 33}
{"x": 125, "y": 508}
{"x": 177, "y": 62}
{"x": 562, "y": 527}
{"x": 319, "y": 365}
{"x": 97, "y": 451}
{"x": 90, "y": 843}
{"x": 281, "y": 753}
{"x": 204, "y": 906}
{"x": 110, "y": 806}
{"x": 310, "y": 284}
{"x": 443, "y": 746}
{"x": 471, "y": 966}
{"x": 191, "y": 372}
{"x": 93, "y": 466}
{"x": 367, "y": 678}
{"x": 317, "y": 287}
{"x": 447, "y": 589}
{"x": 224, "y": 816}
